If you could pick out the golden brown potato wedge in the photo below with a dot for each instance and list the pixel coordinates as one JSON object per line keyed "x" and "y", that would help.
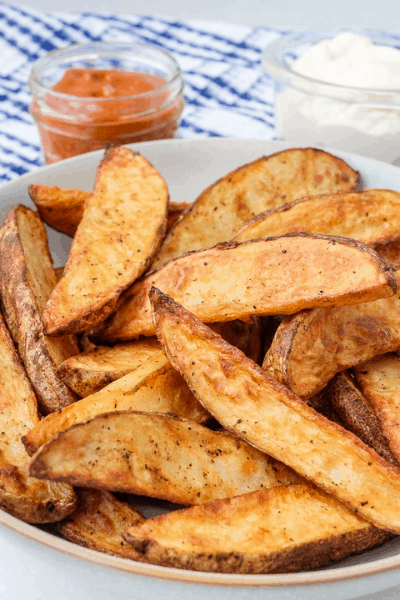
{"x": 351, "y": 410}
{"x": 123, "y": 225}
{"x": 272, "y": 276}
{"x": 370, "y": 216}
{"x": 91, "y": 371}
{"x": 256, "y": 408}
{"x": 379, "y": 381}
{"x": 63, "y": 208}
{"x": 99, "y": 522}
{"x": 26, "y": 498}
{"x": 224, "y": 207}
{"x": 158, "y": 456}
{"x": 282, "y": 530}
{"x": 27, "y": 279}
{"x": 153, "y": 387}
{"x": 311, "y": 347}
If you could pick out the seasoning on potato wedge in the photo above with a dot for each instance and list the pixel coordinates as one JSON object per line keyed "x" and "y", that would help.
{"x": 122, "y": 227}
{"x": 159, "y": 456}
{"x": 273, "y": 276}
{"x": 154, "y": 387}
{"x": 370, "y": 216}
{"x": 63, "y": 208}
{"x": 99, "y": 522}
{"x": 256, "y": 408}
{"x": 27, "y": 278}
{"x": 224, "y": 207}
{"x": 281, "y": 530}
{"x": 311, "y": 347}
{"x": 23, "y": 497}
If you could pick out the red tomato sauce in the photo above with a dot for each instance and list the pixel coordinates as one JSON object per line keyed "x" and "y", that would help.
{"x": 102, "y": 107}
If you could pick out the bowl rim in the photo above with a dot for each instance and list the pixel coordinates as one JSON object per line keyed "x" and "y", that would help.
{"x": 276, "y": 67}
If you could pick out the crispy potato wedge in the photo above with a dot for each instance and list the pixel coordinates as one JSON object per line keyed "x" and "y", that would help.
{"x": 26, "y": 498}
{"x": 370, "y": 216}
{"x": 27, "y": 279}
{"x": 224, "y": 207}
{"x": 91, "y": 371}
{"x": 154, "y": 387}
{"x": 282, "y": 530}
{"x": 159, "y": 456}
{"x": 379, "y": 381}
{"x": 99, "y": 522}
{"x": 60, "y": 208}
{"x": 311, "y": 347}
{"x": 256, "y": 408}
{"x": 353, "y": 413}
{"x": 272, "y": 276}
{"x": 63, "y": 208}
{"x": 123, "y": 225}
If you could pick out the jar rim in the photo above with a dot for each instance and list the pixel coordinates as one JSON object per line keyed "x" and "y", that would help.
{"x": 274, "y": 64}
{"x": 89, "y": 48}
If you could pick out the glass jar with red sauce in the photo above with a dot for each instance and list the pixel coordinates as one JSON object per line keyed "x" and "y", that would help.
{"x": 88, "y": 96}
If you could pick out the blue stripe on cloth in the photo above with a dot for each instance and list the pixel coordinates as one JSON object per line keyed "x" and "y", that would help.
{"x": 226, "y": 91}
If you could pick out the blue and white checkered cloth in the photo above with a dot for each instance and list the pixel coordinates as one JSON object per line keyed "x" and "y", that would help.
{"x": 227, "y": 93}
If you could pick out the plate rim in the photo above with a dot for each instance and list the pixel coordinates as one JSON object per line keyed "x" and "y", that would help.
{"x": 304, "y": 578}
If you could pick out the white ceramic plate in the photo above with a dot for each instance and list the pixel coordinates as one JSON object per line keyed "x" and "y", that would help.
{"x": 57, "y": 568}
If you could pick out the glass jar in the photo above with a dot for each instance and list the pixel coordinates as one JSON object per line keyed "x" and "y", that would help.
{"x": 316, "y": 113}
{"x": 71, "y": 123}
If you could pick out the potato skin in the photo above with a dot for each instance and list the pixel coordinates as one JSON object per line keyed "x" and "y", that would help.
{"x": 22, "y": 496}
{"x": 27, "y": 278}
{"x": 282, "y": 530}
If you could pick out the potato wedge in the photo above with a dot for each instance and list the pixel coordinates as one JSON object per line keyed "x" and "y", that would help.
{"x": 60, "y": 208}
{"x": 63, "y": 208}
{"x": 272, "y": 276}
{"x": 158, "y": 456}
{"x": 23, "y": 497}
{"x": 379, "y": 381}
{"x": 91, "y": 371}
{"x": 27, "y": 279}
{"x": 370, "y": 216}
{"x": 99, "y": 522}
{"x": 123, "y": 225}
{"x": 311, "y": 347}
{"x": 282, "y": 530}
{"x": 354, "y": 414}
{"x": 224, "y": 207}
{"x": 153, "y": 387}
{"x": 256, "y": 408}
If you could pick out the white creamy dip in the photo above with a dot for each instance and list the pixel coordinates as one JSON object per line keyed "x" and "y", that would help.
{"x": 346, "y": 60}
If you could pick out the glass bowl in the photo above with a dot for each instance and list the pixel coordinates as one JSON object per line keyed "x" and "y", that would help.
{"x": 312, "y": 112}
{"x": 71, "y": 124}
